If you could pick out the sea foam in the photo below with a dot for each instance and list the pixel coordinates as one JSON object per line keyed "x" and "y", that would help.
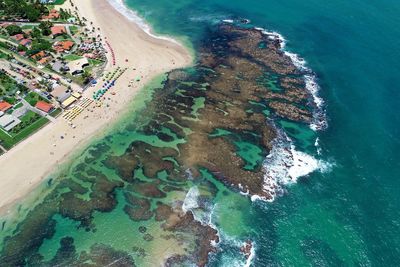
{"x": 319, "y": 121}
{"x": 131, "y": 15}
{"x": 284, "y": 165}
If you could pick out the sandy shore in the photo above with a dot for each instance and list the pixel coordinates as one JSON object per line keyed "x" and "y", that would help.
{"x": 26, "y": 165}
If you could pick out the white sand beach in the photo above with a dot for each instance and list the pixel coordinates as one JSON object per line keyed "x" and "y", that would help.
{"x": 26, "y": 165}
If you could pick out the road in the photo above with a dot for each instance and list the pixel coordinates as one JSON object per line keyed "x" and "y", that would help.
{"x": 73, "y": 85}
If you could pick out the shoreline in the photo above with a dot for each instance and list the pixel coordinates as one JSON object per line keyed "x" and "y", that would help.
{"x": 28, "y": 164}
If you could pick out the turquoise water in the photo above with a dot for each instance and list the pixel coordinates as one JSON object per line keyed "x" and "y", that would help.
{"x": 349, "y": 216}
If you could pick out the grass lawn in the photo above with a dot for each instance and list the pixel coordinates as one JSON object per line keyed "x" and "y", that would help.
{"x": 3, "y": 55}
{"x": 95, "y": 62}
{"x": 29, "y": 115}
{"x": 73, "y": 29}
{"x": 55, "y": 112}
{"x": 27, "y": 27}
{"x": 9, "y": 140}
{"x": 18, "y": 106}
{"x": 32, "y": 98}
{"x": 72, "y": 57}
{"x": 8, "y": 86}
{"x": 59, "y": 2}
{"x": 10, "y": 99}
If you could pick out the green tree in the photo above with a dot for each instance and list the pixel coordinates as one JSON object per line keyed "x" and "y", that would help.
{"x": 45, "y": 26}
{"x": 32, "y": 13}
{"x": 22, "y": 48}
{"x": 13, "y": 29}
{"x": 36, "y": 33}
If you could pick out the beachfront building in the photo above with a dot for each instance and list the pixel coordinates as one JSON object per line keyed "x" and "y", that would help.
{"x": 8, "y": 122}
{"x": 43, "y": 106}
{"x": 61, "y": 93}
{"x": 75, "y": 96}
{"x": 77, "y": 66}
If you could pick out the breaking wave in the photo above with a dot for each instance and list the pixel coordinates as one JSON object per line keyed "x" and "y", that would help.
{"x": 319, "y": 116}
{"x": 284, "y": 165}
{"x": 131, "y": 15}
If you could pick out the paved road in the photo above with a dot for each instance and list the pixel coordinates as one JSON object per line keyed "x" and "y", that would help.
{"x": 74, "y": 86}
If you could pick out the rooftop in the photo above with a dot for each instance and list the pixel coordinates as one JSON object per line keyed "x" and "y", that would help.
{"x": 8, "y": 121}
{"x": 62, "y": 46}
{"x": 4, "y": 106}
{"x": 18, "y": 36}
{"x": 60, "y": 93}
{"x": 43, "y": 106}
{"x": 77, "y": 66}
{"x": 25, "y": 42}
{"x": 57, "y": 30}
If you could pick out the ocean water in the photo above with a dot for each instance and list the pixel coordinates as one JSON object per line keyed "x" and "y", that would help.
{"x": 344, "y": 213}
{"x": 349, "y": 215}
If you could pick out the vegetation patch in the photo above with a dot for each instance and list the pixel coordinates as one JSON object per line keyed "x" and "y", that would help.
{"x": 32, "y": 98}
{"x": 8, "y": 140}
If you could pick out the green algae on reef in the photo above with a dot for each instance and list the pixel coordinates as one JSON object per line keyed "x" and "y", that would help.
{"x": 127, "y": 196}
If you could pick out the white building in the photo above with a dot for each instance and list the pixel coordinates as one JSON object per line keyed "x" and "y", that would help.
{"x": 8, "y": 122}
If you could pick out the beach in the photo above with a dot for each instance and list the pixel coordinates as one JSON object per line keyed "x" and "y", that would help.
{"x": 145, "y": 56}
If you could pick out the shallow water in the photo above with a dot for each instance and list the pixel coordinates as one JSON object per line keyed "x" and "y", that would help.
{"x": 349, "y": 215}
{"x": 346, "y": 215}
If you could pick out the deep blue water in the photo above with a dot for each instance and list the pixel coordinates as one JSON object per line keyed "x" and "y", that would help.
{"x": 350, "y": 215}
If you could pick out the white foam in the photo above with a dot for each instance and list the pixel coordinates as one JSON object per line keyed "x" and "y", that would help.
{"x": 238, "y": 259}
{"x": 284, "y": 165}
{"x": 228, "y": 21}
{"x": 212, "y": 18}
{"x": 319, "y": 117}
{"x": 203, "y": 215}
{"x": 250, "y": 259}
{"x": 131, "y": 15}
{"x": 191, "y": 198}
{"x": 316, "y": 144}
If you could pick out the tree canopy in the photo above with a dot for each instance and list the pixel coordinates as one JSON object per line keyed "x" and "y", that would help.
{"x": 13, "y": 29}
{"x": 28, "y": 9}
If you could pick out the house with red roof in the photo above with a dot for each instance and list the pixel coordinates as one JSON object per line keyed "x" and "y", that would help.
{"x": 38, "y": 55}
{"x": 18, "y": 37}
{"x": 44, "y": 61}
{"x": 4, "y": 106}
{"x": 53, "y": 14}
{"x": 63, "y": 46}
{"x": 25, "y": 42}
{"x": 43, "y": 106}
{"x": 57, "y": 30}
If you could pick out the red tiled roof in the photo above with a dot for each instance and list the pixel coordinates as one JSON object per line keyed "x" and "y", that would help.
{"x": 18, "y": 37}
{"x": 4, "y": 106}
{"x": 56, "y": 30}
{"x": 39, "y": 55}
{"x": 44, "y": 60}
{"x": 25, "y": 42}
{"x": 52, "y": 15}
{"x": 63, "y": 46}
{"x": 43, "y": 106}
